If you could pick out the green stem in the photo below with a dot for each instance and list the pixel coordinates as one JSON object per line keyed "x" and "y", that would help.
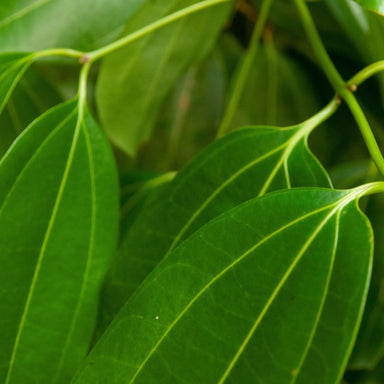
{"x": 82, "y": 92}
{"x": 340, "y": 85}
{"x": 99, "y": 53}
{"x": 59, "y": 52}
{"x": 244, "y": 69}
{"x": 366, "y": 73}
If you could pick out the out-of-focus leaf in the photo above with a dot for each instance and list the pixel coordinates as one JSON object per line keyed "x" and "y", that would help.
{"x": 31, "y": 97}
{"x": 141, "y": 74}
{"x": 58, "y": 227}
{"x": 269, "y": 292}
{"x": 192, "y": 114}
{"x": 278, "y": 91}
{"x": 373, "y": 5}
{"x": 31, "y": 25}
{"x": 246, "y": 163}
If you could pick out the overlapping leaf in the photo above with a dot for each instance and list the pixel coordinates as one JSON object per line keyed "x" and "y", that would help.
{"x": 246, "y": 163}
{"x": 58, "y": 227}
{"x": 142, "y": 73}
{"x": 31, "y": 97}
{"x": 39, "y": 24}
{"x": 271, "y": 292}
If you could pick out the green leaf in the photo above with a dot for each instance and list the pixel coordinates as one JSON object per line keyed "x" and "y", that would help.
{"x": 31, "y": 97}
{"x": 58, "y": 228}
{"x": 34, "y": 25}
{"x": 12, "y": 67}
{"x": 373, "y": 5}
{"x": 369, "y": 348}
{"x": 288, "y": 91}
{"x": 269, "y": 292}
{"x": 143, "y": 72}
{"x": 244, "y": 164}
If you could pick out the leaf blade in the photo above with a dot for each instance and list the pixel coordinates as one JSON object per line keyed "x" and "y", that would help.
{"x": 185, "y": 304}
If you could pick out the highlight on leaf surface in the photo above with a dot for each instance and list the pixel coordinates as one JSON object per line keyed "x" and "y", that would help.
{"x": 271, "y": 291}
{"x": 55, "y": 243}
{"x": 244, "y": 164}
{"x": 373, "y": 5}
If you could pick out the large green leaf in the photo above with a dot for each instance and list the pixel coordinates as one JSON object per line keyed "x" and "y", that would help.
{"x": 141, "y": 74}
{"x": 373, "y": 5}
{"x": 58, "y": 227}
{"x": 269, "y": 292}
{"x": 31, "y": 97}
{"x": 244, "y": 164}
{"x": 39, "y": 24}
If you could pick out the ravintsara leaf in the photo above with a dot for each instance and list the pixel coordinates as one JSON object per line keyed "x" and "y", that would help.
{"x": 58, "y": 228}
{"x": 33, "y": 95}
{"x": 33, "y": 25}
{"x": 269, "y": 292}
{"x": 373, "y": 5}
{"x": 142, "y": 73}
{"x": 242, "y": 165}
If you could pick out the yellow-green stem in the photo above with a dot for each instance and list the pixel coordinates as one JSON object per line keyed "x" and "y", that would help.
{"x": 340, "y": 86}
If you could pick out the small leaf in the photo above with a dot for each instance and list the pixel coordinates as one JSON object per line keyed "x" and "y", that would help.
{"x": 244, "y": 164}
{"x": 31, "y": 97}
{"x": 373, "y": 5}
{"x": 142, "y": 73}
{"x": 269, "y": 292}
{"x": 58, "y": 227}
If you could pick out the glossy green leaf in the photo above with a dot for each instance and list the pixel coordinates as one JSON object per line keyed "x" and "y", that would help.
{"x": 246, "y": 163}
{"x": 39, "y": 24}
{"x": 31, "y": 97}
{"x": 373, "y": 5}
{"x": 58, "y": 227}
{"x": 142, "y": 73}
{"x": 269, "y": 292}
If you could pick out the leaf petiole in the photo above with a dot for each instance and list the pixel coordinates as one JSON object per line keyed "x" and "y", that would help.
{"x": 366, "y": 73}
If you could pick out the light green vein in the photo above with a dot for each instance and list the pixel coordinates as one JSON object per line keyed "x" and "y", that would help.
{"x": 230, "y": 266}
{"x": 89, "y": 257}
{"x": 320, "y": 311}
{"x": 274, "y": 295}
{"x": 217, "y": 191}
{"x": 35, "y": 154}
{"x": 45, "y": 242}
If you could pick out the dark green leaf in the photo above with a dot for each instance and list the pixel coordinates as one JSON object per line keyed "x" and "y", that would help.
{"x": 39, "y": 24}
{"x": 12, "y": 67}
{"x": 58, "y": 227}
{"x": 246, "y": 163}
{"x": 269, "y": 292}
{"x": 142, "y": 73}
{"x": 31, "y": 97}
{"x": 373, "y": 5}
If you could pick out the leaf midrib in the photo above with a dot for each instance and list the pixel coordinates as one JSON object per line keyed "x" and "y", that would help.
{"x": 45, "y": 241}
{"x": 229, "y": 267}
